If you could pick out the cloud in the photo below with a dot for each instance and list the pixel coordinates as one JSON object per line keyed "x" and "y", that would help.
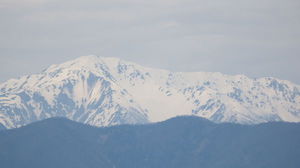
{"x": 20, "y": 3}
{"x": 250, "y": 37}
{"x": 56, "y": 16}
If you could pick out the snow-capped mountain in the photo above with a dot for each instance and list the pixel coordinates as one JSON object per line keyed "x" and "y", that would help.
{"x": 105, "y": 91}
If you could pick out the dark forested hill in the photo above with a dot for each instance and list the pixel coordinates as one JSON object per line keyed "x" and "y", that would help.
{"x": 2, "y": 127}
{"x": 182, "y": 142}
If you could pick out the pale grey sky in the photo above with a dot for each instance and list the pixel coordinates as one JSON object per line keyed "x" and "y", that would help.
{"x": 255, "y": 37}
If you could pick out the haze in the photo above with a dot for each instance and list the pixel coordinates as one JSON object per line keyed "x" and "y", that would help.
{"x": 257, "y": 38}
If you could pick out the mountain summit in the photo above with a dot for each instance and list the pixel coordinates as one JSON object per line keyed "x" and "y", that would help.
{"x": 104, "y": 91}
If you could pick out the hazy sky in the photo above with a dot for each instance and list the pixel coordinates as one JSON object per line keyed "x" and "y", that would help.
{"x": 253, "y": 37}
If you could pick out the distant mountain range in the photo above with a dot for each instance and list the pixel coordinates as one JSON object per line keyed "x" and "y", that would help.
{"x": 103, "y": 91}
{"x": 188, "y": 142}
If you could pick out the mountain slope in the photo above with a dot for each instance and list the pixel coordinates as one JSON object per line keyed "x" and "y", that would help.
{"x": 2, "y": 127}
{"x": 179, "y": 142}
{"x": 107, "y": 91}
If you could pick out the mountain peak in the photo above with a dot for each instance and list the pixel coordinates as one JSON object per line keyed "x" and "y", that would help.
{"x": 105, "y": 91}
{"x": 95, "y": 58}
{"x": 85, "y": 62}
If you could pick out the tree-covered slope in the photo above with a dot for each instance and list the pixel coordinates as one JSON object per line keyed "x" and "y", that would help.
{"x": 179, "y": 142}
